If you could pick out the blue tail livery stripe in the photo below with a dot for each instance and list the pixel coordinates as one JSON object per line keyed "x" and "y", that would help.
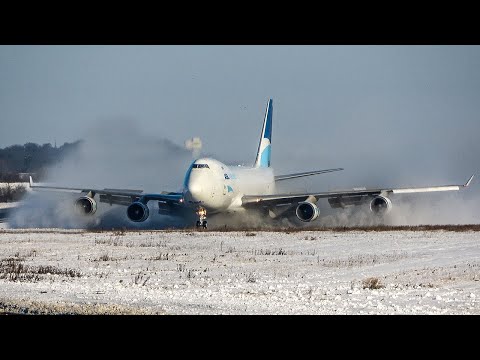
{"x": 267, "y": 133}
{"x": 264, "y": 147}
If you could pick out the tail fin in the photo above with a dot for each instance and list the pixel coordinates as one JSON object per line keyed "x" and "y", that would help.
{"x": 265, "y": 145}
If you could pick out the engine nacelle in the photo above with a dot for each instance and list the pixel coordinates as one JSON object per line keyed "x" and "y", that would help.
{"x": 380, "y": 205}
{"x": 85, "y": 205}
{"x": 307, "y": 211}
{"x": 137, "y": 212}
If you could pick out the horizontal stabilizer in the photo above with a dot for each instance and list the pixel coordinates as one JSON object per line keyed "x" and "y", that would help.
{"x": 469, "y": 181}
{"x": 307, "y": 173}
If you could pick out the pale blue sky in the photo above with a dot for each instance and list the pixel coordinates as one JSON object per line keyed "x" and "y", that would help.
{"x": 380, "y": 111}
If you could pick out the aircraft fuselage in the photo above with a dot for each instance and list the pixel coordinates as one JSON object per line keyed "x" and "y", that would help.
{"x": 217, "y": 187}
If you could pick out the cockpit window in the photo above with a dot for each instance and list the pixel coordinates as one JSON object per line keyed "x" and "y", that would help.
{"x": 200, "y": 166}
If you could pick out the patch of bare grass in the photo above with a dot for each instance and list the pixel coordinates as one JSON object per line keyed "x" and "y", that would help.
{"x": 153, "y": 244}
{"x": 372, "y": 283}
{"x": 269, "y": 252}
{"x": 362, "y": 259}
{"x": 161, "y": 256}
{"x": 24, "y": 307}
{"x": 104, "y": 257}
{"x": 251, "y": 277}
{"x": 141, "y": 279}
{"x": 13, "y": 269}
{"x": 110, "y": 241}
{"x": 293, "y": 230}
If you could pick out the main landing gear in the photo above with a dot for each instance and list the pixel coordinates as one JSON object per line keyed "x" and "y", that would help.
{"x": 202, "y": 217}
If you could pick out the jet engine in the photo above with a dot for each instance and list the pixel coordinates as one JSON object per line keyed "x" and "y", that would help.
{"x": 137, "y": 212}
{"x": 307, "y": 211}
{"x": 85, "y": 205}
{"x": 380, "y": 205}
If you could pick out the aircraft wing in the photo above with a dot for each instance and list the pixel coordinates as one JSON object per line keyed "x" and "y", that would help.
{"x": 348, "y": 197}
{"x": 116, "y": 196}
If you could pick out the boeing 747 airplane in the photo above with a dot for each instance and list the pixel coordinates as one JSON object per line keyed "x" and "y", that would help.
{"x": 211, "y": 187}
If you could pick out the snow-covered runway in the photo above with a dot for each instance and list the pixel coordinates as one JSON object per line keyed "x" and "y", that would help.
{"x": 182, "y": 272}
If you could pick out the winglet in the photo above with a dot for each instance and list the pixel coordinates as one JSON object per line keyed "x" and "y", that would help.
{"x": 31, "y": 182}
{"x": 469, "y": 181}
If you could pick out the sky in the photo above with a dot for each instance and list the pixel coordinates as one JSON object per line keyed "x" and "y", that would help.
{"x": 389, "y": 115}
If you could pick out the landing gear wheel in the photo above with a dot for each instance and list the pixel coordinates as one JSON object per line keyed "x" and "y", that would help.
{"x": 202, "y": 218}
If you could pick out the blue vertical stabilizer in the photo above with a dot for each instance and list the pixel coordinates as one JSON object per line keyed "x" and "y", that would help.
{"x": 265, "y": 146}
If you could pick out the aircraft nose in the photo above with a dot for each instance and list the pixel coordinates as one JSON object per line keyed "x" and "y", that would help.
{"x": 195, "y": 191}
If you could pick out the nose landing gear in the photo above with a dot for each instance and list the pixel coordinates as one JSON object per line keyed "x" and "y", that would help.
{"x": 202, "y": 217}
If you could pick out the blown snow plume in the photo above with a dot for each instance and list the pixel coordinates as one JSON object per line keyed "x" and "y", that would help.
{"x": 118, "y": 155}
{"x": 442, "y": 208}
{"x": 253, "y": 181}
{"x": 113, "y": 155}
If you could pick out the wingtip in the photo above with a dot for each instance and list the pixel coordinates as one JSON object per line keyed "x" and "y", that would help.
{"x": 31, "y": 181}
{"x": 469, "y": 181}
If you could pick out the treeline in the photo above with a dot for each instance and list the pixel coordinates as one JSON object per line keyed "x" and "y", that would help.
{"x": 17, "y": 160}
{"x": 10, "y": 193}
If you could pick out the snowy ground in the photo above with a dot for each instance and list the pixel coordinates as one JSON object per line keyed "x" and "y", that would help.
{"x": 182, "y": 272}
{"x": 7, "y": 205}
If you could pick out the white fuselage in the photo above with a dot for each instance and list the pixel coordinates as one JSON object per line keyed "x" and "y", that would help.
{"x": 216, "y": 187}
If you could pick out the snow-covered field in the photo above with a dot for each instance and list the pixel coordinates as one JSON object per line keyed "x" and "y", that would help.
{"x": 7, "y": 205}
{"x": 182, "y": 272}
